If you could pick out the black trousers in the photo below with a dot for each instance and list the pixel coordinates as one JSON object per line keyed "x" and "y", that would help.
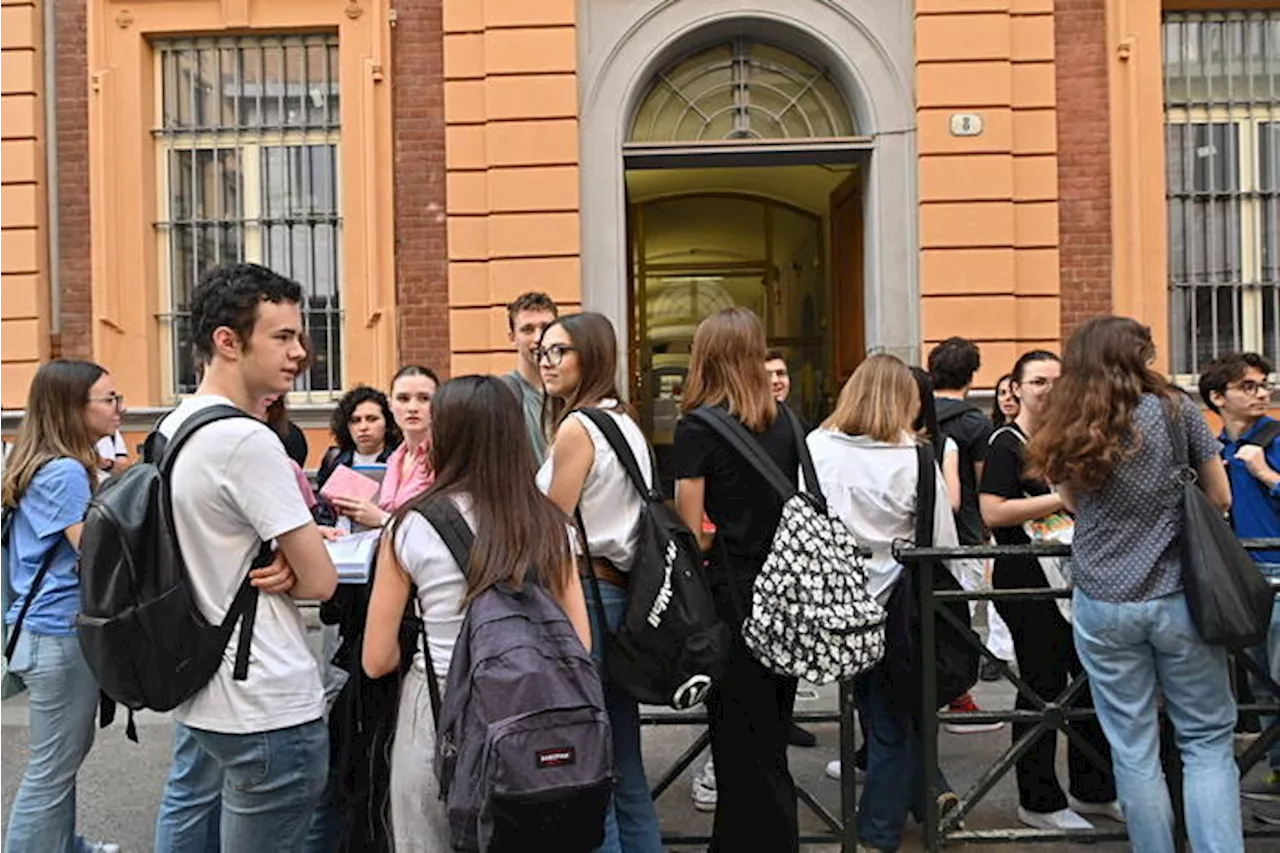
{"x": 1047, "y": 662}
{"x": 748, "y": 715}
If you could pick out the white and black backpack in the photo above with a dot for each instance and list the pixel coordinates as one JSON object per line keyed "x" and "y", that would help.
{"x": 812, "y": 616}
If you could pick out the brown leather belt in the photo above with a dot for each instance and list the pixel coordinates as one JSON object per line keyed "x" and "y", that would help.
{"x": 605, "y": 571}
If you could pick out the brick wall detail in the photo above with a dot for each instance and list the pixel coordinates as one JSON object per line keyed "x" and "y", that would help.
{"x": 75, "y": 263}
{"x": 422, "y": 268}
{"x": 1084, "y": 171}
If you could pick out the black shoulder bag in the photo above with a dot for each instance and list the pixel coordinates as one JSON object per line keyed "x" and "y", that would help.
{"x": 956, "y": 659}
{"x": 1229, "y": 599}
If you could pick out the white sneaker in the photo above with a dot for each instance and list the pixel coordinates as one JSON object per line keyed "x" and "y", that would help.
{"x": 100, "y": 847}
{"x": 704, "y": 788}
{"x": 1061, "y": 819}
{"x": 1110, "y": 810}
{"x": 833, "y": 771}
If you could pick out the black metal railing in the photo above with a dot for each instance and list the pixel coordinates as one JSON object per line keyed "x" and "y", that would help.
{"x": 1048, "y": 716}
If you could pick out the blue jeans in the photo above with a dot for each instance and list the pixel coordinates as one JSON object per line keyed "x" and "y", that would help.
{"x": 1268, "y": 656}
{"x": 895, "y": 758}
{"x": 631, "y": 825}
{"x": 270, "y": 784}
{"x": 63, "y": 702}
{"x": 191, "y": 807}
{"x": 1133, "y": 652}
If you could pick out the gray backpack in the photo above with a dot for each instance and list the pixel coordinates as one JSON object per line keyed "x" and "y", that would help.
{"x": 524, "y": 753}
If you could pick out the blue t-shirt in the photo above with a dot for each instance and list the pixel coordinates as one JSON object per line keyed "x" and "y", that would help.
{"x": 1255, "y": 509}
{"x": 56, "y": 499}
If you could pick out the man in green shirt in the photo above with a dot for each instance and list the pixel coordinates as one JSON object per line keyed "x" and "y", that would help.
{"x": 527, "y": 317}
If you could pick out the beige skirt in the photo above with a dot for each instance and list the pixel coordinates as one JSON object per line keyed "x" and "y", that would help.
{"x": 418, "y": 822}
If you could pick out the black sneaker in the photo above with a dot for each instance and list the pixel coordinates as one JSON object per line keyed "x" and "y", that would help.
{"x": 797, "y": 736}
{"x": 989, "y": 671}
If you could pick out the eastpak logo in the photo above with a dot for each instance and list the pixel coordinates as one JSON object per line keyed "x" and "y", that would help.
{"x": 560, "y": 756}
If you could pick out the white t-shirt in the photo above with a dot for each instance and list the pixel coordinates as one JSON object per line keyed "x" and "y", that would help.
{"x": 610, "y": 504}
{"x": 233, "y": 487}
{"x": 440, "y": 582}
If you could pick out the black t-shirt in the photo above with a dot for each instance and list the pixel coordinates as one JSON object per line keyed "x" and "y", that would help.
{"x": 971, "y": 430}
{"x": 1004, "y": 476}
{"x": 743, "y": 506}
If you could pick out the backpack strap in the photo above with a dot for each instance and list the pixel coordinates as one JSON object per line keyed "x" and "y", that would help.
{"x": 166, "y": 450}
{"x": 443, "y": 515}
{"x": 926, "y": 495}
{"x": 745, "y": 445}
{"x": 162, "y": 452}
{"x": 1265, "y": 436}
{"x": 36, "y": 583}
{"x": 622, "y": 449}
{"x": 811, "y": 486}
{"x": 6, "y": 529}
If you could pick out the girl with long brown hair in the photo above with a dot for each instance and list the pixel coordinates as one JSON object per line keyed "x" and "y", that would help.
{"x": 748, "y": 711}
{"x": 1010, "y": 496}
{"x": 578, "y": 360}
{"x": 479, "y": 452}
{"x": 48, "y": 482}
{"x": 1108, "y": 441}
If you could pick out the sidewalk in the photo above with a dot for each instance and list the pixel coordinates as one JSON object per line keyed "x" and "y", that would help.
{"x": 120, "y": 783}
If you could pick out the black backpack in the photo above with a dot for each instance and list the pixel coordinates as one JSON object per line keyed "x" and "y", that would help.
{"x": 671, "y": 646}
{"x": 140, "y": 628}
{"x": 956, "y": 658}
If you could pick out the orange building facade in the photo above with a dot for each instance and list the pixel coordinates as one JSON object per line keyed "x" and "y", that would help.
{"x": 867, "y": 176}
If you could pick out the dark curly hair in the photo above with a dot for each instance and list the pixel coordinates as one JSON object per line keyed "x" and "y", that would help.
{"x": 1087, "y": 428}
{"x": 1225, "y": 369}
{"x": 228, "y": 295}
{"x": 340, "y": 423}
{"x": 953, "y": 362}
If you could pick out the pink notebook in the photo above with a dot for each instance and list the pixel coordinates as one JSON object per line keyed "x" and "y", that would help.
{"x": 345, "y": 483}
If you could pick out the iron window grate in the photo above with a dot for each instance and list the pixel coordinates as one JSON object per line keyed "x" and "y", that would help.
{"x": 248, "y": 140}
{"x": 1222, "y": 175}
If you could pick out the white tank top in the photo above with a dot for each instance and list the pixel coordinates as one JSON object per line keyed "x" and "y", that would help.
{"x": 609, "y": 502}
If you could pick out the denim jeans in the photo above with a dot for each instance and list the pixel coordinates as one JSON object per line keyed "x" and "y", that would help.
{"x": 191, "y": 807}
{"x": 1268, "y": 656}
{"x": 63, "y": 699}
{"x": 631, "y": 825}
{"x": 1134, "y": 651}
{"x": 271, "y": 782}
{"x": 895, "y": 784}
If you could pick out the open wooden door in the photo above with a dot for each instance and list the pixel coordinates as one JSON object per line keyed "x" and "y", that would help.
{"x": 847, "y": 260}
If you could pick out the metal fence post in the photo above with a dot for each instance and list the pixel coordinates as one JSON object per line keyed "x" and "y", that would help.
{"x": 848, "y": 770}
{"x": 923, "y": 573}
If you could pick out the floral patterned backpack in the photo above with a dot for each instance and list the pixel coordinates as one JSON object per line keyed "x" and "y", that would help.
{"x": 812, "y": 616}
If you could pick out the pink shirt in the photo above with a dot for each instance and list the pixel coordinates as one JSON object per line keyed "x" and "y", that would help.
{"x": 304, "y": 485}
{"x": 396, "y": 493}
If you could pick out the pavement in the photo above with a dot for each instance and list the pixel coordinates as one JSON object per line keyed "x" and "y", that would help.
{"x": 120, "y": 783}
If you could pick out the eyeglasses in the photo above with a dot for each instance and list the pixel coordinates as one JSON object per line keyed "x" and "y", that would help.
{"x": 554, "y": 354}
{"x": 115, "y": 400}
{"x": 1251, "y": 387}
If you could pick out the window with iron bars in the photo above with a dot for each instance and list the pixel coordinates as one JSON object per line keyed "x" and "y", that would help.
{"x": 248, "y": 170}
{"x": 1222, "y": 175}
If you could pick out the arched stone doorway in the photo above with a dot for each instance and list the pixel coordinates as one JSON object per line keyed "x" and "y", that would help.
{"x": 800, "y": 110}
{"x": 793, "y": 120}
